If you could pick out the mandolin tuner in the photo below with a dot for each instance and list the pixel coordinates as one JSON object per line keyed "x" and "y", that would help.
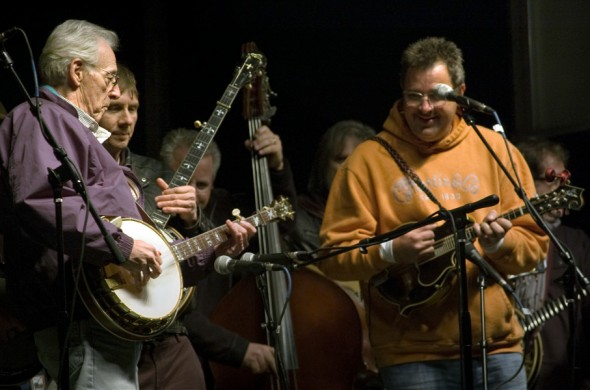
{"x": 551, "y": 175}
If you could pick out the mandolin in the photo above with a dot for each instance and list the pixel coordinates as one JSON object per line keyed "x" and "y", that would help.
{"x": 411, "y": 286}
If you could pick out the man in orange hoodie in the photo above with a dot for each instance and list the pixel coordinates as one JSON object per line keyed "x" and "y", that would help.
{"x": 428, "y": 160}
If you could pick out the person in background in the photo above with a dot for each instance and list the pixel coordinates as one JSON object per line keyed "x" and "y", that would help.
{"x": 78, "y": 66}
{"x": 335, "y": 145}
{"x": 169, "y": 361}
{"x": 427, "y": 160}
{"x": 547, "y": 283}
{"x": 217, "y": 203}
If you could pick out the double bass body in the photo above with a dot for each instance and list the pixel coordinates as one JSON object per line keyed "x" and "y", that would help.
{"x": 326, "y": 326}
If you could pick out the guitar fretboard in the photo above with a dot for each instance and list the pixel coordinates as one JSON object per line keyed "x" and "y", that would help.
{"x": 185, "y": 171}
{"x": 549, "y": 310}
{"x": 188, "y": 248}
{"x": 568, "y": 196}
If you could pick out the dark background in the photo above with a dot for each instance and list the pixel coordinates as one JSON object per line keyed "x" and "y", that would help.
{"x": 331, "y": 60}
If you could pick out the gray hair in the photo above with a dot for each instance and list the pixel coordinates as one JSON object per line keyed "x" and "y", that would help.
{"x": 185, "y": 137}
{"x": 69, "y": 40}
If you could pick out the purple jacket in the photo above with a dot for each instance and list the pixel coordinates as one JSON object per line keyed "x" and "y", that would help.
{"x": 28, "y": 209}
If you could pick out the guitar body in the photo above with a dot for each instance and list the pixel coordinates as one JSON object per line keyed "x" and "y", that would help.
{"x": 171, "y": 236}
{"x": 115, "y": 302}
{"x": 411, "y": 286}
{"x": 110, "y": 296}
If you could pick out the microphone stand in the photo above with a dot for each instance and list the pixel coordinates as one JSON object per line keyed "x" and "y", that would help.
{"x": 64, "y": 173}
{"x": 577, "y": 276}
{"x": 272, "y": 325}
{"x": 483, "y": 342}
{"x": 460, "y": 221}
{"x": 458, "y": 217}
{"x": 487, "y": 271}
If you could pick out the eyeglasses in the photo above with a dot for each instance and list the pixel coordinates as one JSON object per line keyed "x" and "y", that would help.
{"x": 112, "y": 78}
{"x": 414, "y": 98}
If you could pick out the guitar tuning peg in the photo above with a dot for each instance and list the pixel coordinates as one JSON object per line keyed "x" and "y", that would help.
{"x": 236, "y": 214}
{"x": 198, "y": 124}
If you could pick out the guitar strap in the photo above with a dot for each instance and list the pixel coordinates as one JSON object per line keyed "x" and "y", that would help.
{"x": 406, "y": 169}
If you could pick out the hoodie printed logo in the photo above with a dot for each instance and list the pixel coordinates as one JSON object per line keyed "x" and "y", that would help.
{"x": 444, "y": 188}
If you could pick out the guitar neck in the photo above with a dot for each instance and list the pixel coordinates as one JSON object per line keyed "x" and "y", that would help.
{"x": 190, "y": 247}
{"x": 567, "y": 196}
{"x": 198, "y": 148}
{"x": 549, "y": 310}
{"x": 447, "y": 244}
{"x": 185, "y": 171}
{"x": 512, "y": 214}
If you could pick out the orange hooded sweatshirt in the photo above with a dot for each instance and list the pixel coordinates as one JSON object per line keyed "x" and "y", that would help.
{"x": 370, "y": 196}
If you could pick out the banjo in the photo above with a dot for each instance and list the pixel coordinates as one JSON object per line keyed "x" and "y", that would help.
{"x": 107, "y": 292}
{"x": 133, "y": 314}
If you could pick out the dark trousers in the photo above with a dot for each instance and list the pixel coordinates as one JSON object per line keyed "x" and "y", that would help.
{"x": 170, "y": 363}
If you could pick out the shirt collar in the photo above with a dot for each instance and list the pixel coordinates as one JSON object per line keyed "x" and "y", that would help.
{"x": 100, "y": 133}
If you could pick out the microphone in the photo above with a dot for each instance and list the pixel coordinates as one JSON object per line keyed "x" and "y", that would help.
{"x": 488, "y": 201}
{"x": 284, "y": 258}
{"x": 446, "y": 92}
{"x": 225, "y": 265}
{"x": 473, "y": 255}
{"x": 4, "y": 35}
{"x": 459, "y": 213}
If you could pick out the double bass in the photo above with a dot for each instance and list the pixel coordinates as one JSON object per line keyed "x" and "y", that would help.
{"x": 316, "y": 330}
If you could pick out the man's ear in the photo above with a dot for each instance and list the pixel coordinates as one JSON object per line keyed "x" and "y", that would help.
{"x": 76, "y": 73}
{"x": 461, "y": 89}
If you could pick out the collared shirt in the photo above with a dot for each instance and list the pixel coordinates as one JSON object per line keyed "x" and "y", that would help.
{"x": 100, "y": 133}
